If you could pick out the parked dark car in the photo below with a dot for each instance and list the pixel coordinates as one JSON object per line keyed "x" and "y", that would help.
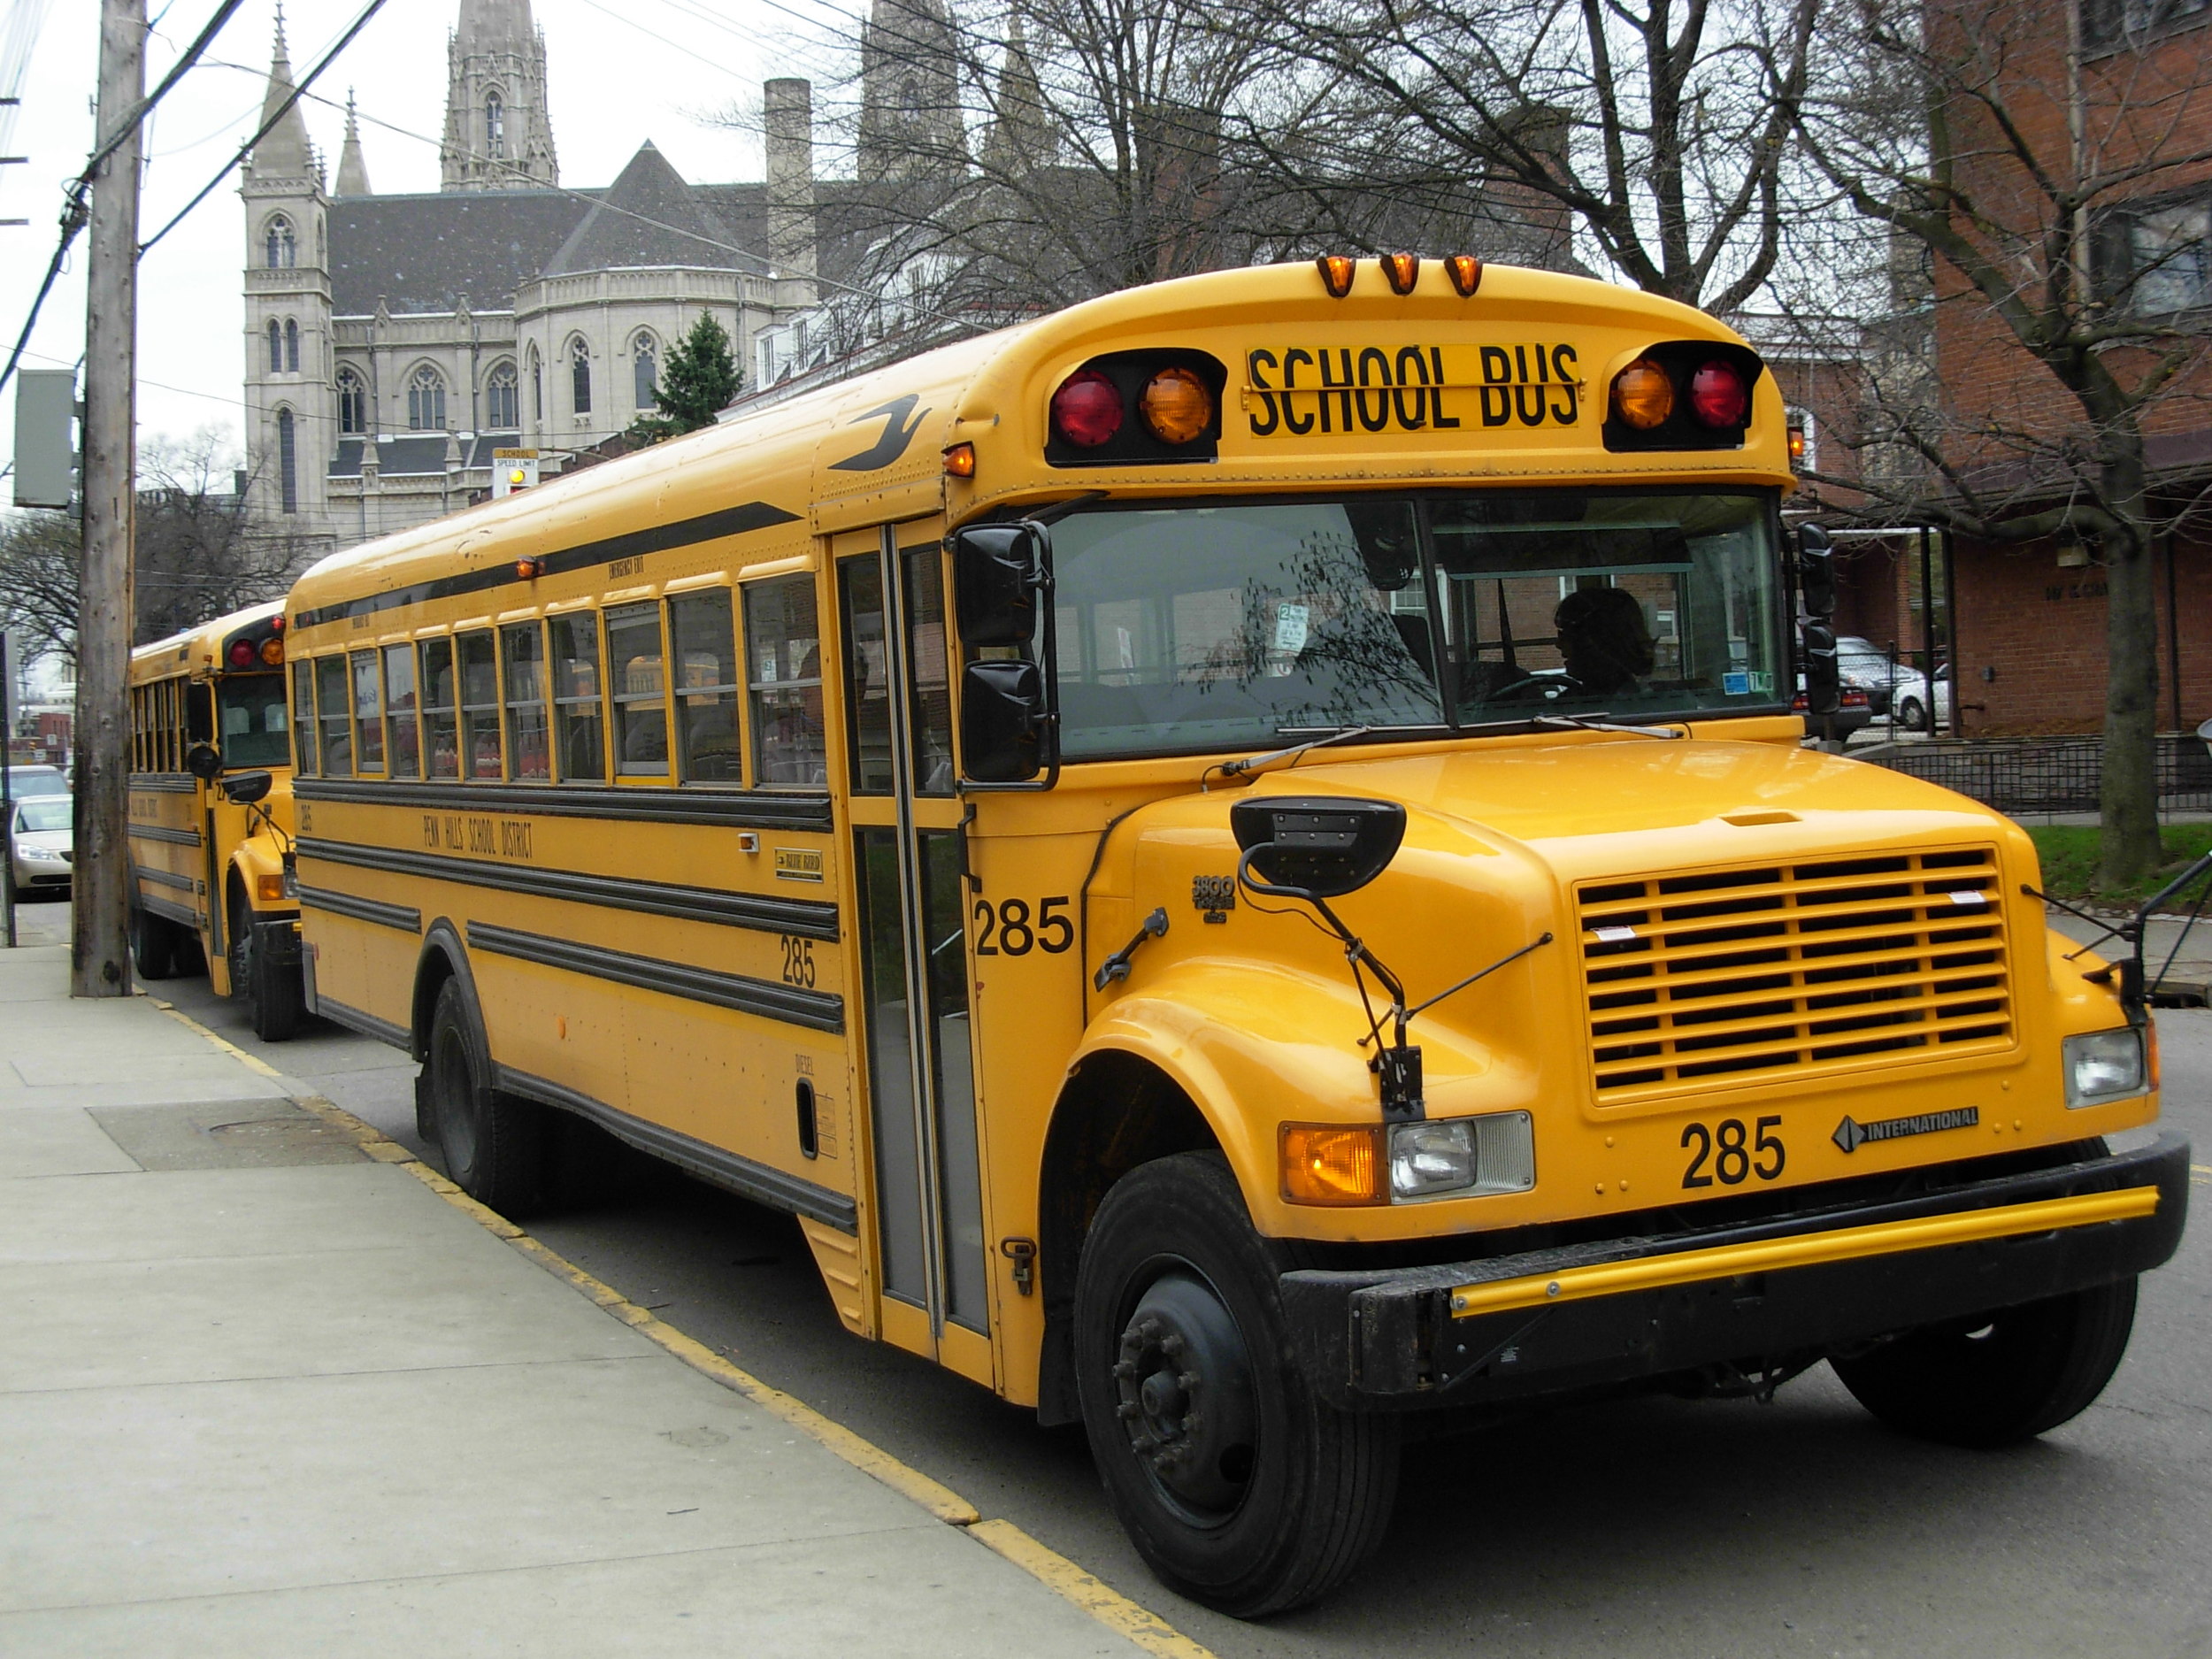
{"x": 1866, "y": 665}
{"x": 1852, "y": 717}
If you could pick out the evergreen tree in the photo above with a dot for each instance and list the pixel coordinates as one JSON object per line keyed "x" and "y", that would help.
{"x": 699, "y": 380}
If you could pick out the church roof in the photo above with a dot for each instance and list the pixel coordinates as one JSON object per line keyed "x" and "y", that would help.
{"x": 649, "y": 216}
{"x": 420, "y": 253}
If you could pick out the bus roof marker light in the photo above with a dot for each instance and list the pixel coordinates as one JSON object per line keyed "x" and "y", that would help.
{"x": 1402, "y": 270}
{"x": 1175, "y": 405}
{"x": 1336, "y": 273}
{"x": 960, "y": 461}
{"x": 1718, "y": 396}
{"x": 1086, "y": 410}
{"x": 1643, "y": 394}
{"x": 1465, "y": 271}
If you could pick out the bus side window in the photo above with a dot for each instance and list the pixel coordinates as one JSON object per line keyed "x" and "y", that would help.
{"x": 783, "y": 652}
{"x": 439, "y": 706}
{"x": 523, "y": 647}
{"x": 402, "y": 736}
{"x": 640, "y": 695}
{"x": 578, "y": 709}
{"x": 330, "y": 696}
{"x": 867, "y": 679}
{"x": 480, "y": 706}
{"x": 199, "y": 713}
{"x": 931, "y": 688}
{"x": 701, "y": 629}
{"x": 304, "y": 731}
{"x": 368, "y": 712}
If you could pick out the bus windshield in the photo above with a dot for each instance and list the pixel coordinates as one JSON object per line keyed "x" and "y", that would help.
{"x": 1192, "y": 627}
{"x": 255, "y": 731}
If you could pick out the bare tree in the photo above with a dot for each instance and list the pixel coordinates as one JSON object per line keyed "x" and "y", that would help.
{"x": 2068, "y": 299}
{"x": 40, "y": 551}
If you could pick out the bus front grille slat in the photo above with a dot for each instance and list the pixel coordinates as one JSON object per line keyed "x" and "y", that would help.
{"x": 1827, "y": 964}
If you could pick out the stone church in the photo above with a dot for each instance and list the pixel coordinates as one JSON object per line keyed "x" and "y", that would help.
{"x": 394, "y": 341}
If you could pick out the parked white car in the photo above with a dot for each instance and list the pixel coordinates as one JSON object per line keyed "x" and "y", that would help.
{"x": 1909, "y": 701}
{"x": 39, "y": 845}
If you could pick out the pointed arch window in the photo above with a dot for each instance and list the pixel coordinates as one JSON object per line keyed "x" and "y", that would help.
{"x": 291, "y": 346}
{"x": 425, "y": 400}
{"x": 645, "y": 366}
{"x": 282, "y": 246}
{"x": 537, "y": 386}
{"x": 288, "y": 460}
{"x": 353, "y": 404}
{"x": 503, "y": 401}
{"x": 276, "y": 347}
{"x": 579, "y": 376}
{"x": 494, "y": 126}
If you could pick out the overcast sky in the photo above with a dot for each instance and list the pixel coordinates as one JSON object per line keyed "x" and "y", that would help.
{"x": 620, "y": 71}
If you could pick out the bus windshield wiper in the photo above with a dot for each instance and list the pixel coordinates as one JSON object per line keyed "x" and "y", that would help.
{"x": 1253, "y": 763}
{"x": 1599, "y": 723}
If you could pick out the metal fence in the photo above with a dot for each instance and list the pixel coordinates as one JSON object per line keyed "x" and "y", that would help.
{"x": 2051, "y": 774}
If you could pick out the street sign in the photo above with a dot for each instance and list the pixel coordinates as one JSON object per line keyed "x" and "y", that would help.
{"x": 513, "y": 470}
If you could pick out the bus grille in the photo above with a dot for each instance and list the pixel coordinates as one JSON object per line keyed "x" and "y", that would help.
{"x": 1813, "y": 967}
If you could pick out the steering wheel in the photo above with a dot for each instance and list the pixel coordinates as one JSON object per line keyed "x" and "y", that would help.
{"x": 1549, "y": 687}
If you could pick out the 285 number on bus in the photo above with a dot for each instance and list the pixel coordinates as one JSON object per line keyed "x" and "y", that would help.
{"x": 1733, "y": 1153}
{"x": 1016, "y": 927}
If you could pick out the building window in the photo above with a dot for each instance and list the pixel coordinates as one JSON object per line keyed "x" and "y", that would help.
{"x": 425, "y": 401}
{"x": 291, "y": 346}
{"x": 494, "y": 126}
{"x": 537, "y": 387}
{"x": 353, "y": 402}
{"x": 2158, "y": 258}
{"x": 288, "y": 460}
{"x": 276, "y": 347}
{"x": 282, "y": 248}
{"x": 1804, "y": 438}
{"x": 579, "y": 376}
{"x": 502, "y": 400}
{"x": 645, "y": 360}
{"x": 2114, "y": 22}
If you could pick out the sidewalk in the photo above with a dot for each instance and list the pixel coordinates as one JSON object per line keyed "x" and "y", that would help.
{"x": 262, "y": 1394}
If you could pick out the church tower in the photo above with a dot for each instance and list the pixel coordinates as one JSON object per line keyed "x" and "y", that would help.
{"x": 497, "y": 135}
{"x": 910, "y": 125}
{"x": 289, "y": 418}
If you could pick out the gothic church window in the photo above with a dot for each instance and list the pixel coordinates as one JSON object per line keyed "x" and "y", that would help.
{"x": 502, "y": 403}
{"x": 425, "y": 400}
{"x": 276, "y": 347}
{"x": 494, "y": 126}
{"x": 353, "y": 402}
{"x": 291, "y": 346}
{"x": 579, "y": 376}
{"x": 537, "y": 386}
{"x": 282, "y": 248}
{"x": 645, "y": 367}
{"x": 288, "y": 460}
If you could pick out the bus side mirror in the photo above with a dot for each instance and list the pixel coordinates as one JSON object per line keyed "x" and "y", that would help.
{"x": 1319, "y": 847}
{"x": 997, "y": 572}
{"x": 1823, "y": 685}
{"x": 1816, "y": 570}
{"x": 205, "y": 761}
{"x": 246, "y": 787}
{"x": 1002, "y": 721}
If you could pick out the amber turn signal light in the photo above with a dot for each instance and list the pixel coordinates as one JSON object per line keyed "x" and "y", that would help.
{"x": 272, "y": 651}
{"x": 1797, "y": 445}
{"x": 1643, "y": 396}
{"x": 529, "y": 570}
{"x": 1465, "y": 271}
{"x": 1402, "y": 270}
{"x": 1332, "y": 1164}
{"x": 960, "y": 461}
{"x": 269, "y": 889}
{"x": 1176, "y": 405}
{"x": 1336, "y": 273}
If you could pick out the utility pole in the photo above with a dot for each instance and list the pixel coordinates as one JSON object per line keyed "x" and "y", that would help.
{"x": 99, "y": 959}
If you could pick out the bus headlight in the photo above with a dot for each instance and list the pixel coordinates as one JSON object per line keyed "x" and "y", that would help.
{"x": 2102, "y": 1066}
{"x": 1459, "y": 1158}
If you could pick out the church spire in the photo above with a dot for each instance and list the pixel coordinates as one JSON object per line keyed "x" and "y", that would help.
{"x": 353, "y": 172}
{"x": 1021, "y": 138}
{"x": 283, "y": 152}
{"x": 497, "y": 135}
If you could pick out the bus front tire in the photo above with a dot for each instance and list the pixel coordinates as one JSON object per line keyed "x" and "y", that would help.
{"x": 1997, "y": 1379}
{"x": 153, "y": 945}
{"x": 1239, "y": 1487}
{"x": 493, "y": 1143}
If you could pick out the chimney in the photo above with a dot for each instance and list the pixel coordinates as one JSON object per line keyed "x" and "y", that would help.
{"x": 788, "y": 105}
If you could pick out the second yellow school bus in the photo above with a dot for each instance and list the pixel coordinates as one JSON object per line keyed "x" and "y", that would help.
{"x": 1239, "y": 858}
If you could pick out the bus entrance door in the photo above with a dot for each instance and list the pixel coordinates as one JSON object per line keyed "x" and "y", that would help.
{"x": 908, "y": 860}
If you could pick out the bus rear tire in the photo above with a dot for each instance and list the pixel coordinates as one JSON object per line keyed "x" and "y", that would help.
{"x": 153, "y": 944}
{"x": 1239, "y": 1487}
{"x": 494, "y": 1144}
{"x": 1997, "y": 1379}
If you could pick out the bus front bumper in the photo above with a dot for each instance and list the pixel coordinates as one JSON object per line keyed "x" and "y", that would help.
{"x": 1748, "y": 1295}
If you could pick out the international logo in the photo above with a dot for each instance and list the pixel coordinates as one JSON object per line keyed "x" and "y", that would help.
{"x": 1851, "y": 1134}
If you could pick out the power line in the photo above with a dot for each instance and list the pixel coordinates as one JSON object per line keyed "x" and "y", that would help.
{"x": 77, "y": 209}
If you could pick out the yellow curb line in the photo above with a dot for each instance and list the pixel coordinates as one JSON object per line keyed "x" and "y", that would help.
{"x": 1050, "y": 1569}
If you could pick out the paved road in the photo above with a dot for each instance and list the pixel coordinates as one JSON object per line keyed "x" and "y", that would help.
{"x": 1645, "y": 1528}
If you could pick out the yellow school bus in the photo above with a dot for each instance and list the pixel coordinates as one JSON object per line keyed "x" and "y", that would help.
{"x": 210, "y": 810}
{"x": 1238, "y": 856}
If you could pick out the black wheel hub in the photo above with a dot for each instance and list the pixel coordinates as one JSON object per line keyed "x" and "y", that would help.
{"x": 1184, "y": 1381}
